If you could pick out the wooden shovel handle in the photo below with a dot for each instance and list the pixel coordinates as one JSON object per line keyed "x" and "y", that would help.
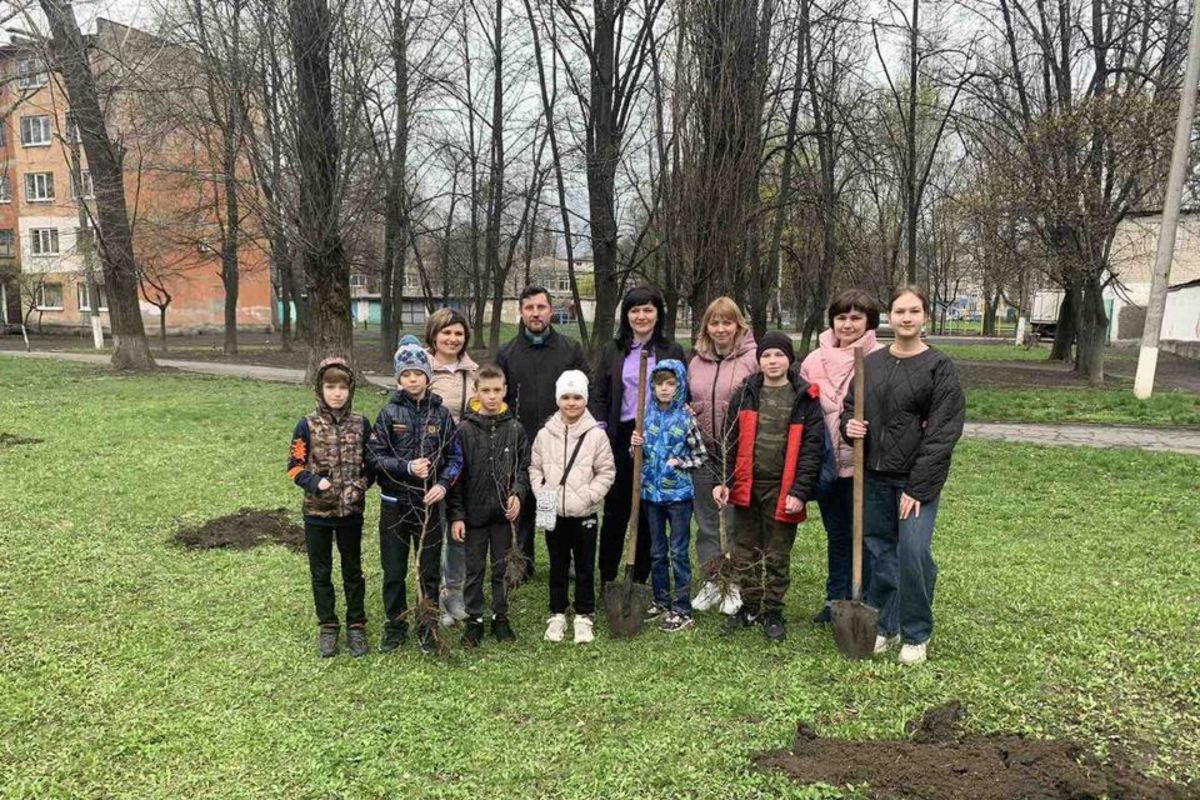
{"x": 635, "y": 504}
{"x": 859, "y": 476}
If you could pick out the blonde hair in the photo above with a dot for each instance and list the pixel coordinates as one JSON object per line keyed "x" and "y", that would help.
{"x": 721, "y": 307}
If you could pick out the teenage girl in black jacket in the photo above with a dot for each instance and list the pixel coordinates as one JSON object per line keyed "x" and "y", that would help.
{"x": 913, "y": 417}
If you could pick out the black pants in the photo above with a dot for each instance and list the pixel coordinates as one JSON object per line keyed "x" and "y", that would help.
{"x": 318, "y": 540}
{"x": 399, "y": 532}
{"x": 494, "y": 537}
{"x": 617, "y": 507}
{"x": 573, "y": 536}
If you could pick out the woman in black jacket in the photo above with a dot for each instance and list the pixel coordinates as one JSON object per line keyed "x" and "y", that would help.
{"x": 613, "y": 402}
{"x": 913, "y": 417}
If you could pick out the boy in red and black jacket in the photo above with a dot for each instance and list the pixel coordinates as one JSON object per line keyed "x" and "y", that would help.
{"x": 777, "y": 441}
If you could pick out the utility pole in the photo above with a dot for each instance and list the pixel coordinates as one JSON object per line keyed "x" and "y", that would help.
{"x": 1143, "y": 382}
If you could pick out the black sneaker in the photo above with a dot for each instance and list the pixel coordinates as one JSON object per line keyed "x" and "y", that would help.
{"x": 395, "y": 634}
{"x": 327, "y": 641}
{"x": 502, "y": 630}
{"x": 654, "y": 612}
{"x": 427, "y": 641}
{"x": 675, "y": 622}
{"x": 742, "y": 619}
{"x": 356, "y": 640}
{"x": 824, "y": 616}
{"x": 472, "y": 632}
{"x": 773, "y": 627}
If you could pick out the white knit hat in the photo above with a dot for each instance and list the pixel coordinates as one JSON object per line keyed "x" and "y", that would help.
{"x": 572, "y": 381}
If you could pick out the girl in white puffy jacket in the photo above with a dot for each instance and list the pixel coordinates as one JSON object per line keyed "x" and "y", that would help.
{"x": 571, "y": 458}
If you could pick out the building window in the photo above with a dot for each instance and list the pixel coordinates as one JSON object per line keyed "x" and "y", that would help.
{"x": 49, "y": 297}
{"x": 44, "y": 241}
{"x": 72, "y": 129}
{"x": 31, "y": 73}
{"x": 412, "y": 282}
{"x": 3, "y": 131}
{"x": 85, "y": 180}
{"x": 6, "y": 243}
{"x": 5, "y": 189}
{"x": 39, "y": 187}
{"x": 358, "y": 281}
{"x": 81, "y": 296}
{"x": 35, "y": 131}
{"x": 562, "y": 283}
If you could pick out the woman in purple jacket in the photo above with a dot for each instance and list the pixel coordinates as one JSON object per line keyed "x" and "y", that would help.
{"x": 613, "y": 402}
{"x": 722, "y": 359}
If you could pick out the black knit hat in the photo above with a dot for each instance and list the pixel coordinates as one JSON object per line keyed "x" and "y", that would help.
{"x": 778, "y": 340}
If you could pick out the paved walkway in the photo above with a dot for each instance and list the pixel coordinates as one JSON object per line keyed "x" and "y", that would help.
{"x": 1175, "y": 440}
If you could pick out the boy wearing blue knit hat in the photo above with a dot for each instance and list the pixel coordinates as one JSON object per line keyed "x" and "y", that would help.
{"x": 415, "y": 457}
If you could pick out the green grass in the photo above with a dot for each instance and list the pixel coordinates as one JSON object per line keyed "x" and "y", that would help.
{"x": 1099, "y": 406}
{"x": 132, "y": 668}
{"x": 992, "y": 352}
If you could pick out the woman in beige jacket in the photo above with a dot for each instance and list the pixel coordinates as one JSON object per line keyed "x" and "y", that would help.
{"x": 571, "y": 457}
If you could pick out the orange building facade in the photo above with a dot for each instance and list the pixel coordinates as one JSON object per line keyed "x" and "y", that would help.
{"x": 44, "y": 238}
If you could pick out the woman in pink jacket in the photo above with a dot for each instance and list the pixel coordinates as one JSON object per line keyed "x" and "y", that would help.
{"x": 853, "y": 318}
{"x": 723, "y": 357}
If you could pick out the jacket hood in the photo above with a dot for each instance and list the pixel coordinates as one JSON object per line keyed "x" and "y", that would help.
{"x": 747, "y": 344}
{"x": 465, "y": 363}
{"x": 676, "y": 367}
{"x": 326, "y": 364}
{"x": 475, "y": 414}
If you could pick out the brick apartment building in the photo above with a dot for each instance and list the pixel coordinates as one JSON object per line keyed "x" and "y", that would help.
{"x": 45, "y": 253}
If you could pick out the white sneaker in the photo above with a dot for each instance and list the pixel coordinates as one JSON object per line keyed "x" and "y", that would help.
{"x": 913, "y": 654}
{"x": 583, "y": 629}
{"x": 708, "y": 596}
{"x": 885, "y": 643}
{"x": 446, "y": 620}
{"x": 731, "y": 603}
{"x": 556, "y": 627}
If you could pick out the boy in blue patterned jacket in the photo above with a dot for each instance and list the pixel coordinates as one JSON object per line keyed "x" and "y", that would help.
{"x": 672, "y": 448}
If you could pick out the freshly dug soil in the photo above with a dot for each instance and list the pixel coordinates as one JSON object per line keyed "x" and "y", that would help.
{"x": 249, "y": 527}
{"x": 940, "y": 763}
{"x": 12, "y": 440}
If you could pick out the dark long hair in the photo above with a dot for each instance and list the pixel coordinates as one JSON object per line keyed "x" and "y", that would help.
{"x": 640, "y": 296}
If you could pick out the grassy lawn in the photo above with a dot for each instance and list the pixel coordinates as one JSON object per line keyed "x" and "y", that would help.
{"x": 133, "y": 668}
{"x": 1097, "y": 406}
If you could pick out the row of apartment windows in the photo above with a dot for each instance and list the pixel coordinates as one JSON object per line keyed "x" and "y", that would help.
{"x": 49, "y": 297}
{"x": 39, "y": 187}
{"x": 37, "y": 130}
{"x": 42, "y": 241}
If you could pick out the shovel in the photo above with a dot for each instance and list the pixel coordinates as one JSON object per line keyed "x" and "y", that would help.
{"x": 855, "y": 624}
{"x": 625, "y": 602}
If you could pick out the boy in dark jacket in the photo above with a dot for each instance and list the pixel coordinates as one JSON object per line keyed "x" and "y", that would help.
{"x": 485, "y": 503}
{"x": 327, "y": 460}
{"x": 414, "y": 454}
{"x": 777, "y": 437}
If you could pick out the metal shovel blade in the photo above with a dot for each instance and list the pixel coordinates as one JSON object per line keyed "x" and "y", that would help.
{"x": 625, "y": 604}
{"x": 855, "y": 625}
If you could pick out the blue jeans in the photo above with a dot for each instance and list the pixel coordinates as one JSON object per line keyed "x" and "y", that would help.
{"x": 903, "y": 574}
{"x": 679, "y": 515}
{"x": 837, "y": 514}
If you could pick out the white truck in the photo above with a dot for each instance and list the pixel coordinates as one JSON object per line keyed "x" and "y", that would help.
{"x": 1043, "y": 318}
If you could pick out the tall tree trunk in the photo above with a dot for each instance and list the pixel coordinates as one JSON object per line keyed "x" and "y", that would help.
{"x": 603, "y": 154}
{"x": 232, "y": 227}
{"x": 326, "y": 272}
{"x": 496, "y": 181}
{"x": 1093, "y": 325}
{"x": 1064, "y": 331}
{"x": 396, "y": 232}
{"x": 913, "y": 203}
{"x": 131, "y": 350}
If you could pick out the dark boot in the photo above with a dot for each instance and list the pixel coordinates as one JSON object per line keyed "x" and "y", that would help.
{"x": 742, "y": 619}
{"x": 502, "y": 630}
{"x": 473, "y": 632}
{"x": 773, "y": 627}
{"x": 395, "y": 634}
{"x": 327, "y": 640}
{"x": 824, "y": 616}
{"x": 356, "y": 640}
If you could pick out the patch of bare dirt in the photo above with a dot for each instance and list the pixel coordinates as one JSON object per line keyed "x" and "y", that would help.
{"x": 12, "y": 440}
{"x": 1172, "y": 374}
{"x": 939, "y": 763}
{"x": 249, "y": 527}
